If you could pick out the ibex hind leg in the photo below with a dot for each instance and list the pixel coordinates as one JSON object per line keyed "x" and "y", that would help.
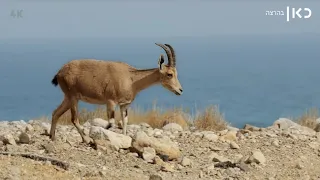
{"x": 124, "y": 117}
{"x": 74, "y": 118}
{"x": 57, "y": 113}
{"x": 111, "y": 106}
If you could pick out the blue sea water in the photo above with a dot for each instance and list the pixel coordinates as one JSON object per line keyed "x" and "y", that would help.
{"x": 252, "y": 78}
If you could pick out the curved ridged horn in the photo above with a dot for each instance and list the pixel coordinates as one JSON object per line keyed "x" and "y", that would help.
{"x": 170, "y": 60}
{"x": 173, "y": 54}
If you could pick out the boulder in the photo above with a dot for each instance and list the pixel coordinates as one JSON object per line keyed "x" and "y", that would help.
{"x": 119, "y": 141}
{"x": 292, "y": 127}
{"x": 8, "y": 139}
{"x": 99, "y": 122}
{"x": 162, "y": 146}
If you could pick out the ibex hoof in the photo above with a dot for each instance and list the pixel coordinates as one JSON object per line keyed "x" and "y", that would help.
{"x": 87, "y": 140}
{"x": 52, "y": 137}
{"x": 120, "y": 126}
{"x": 111, "y": 125}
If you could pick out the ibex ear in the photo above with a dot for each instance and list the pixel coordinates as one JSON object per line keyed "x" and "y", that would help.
{"x": 161, "y": 62}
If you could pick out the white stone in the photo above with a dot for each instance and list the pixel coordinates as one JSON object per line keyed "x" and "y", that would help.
{"x": 46, "y": 127}
{"x": 257, "y": 157}
{"x": 172, "y": 127}
{"x": 185, "y": 162}
{"x": 29, "y": 128}
{"x": 210, "y": 136}
{"x": 99, "y": 122}
{"x": 216, "y": 158}
{"x": 8, "y": 139}
{"x": 148, "y": 154}
{"x": 119, "y": 141}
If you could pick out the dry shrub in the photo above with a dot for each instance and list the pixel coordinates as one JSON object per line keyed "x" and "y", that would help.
{"x": 176, "y": 116}
{"x": 156, "y": 117}
{"x": 309, "y": 118}
{"x": 210, "y": 119}
{"x": 137, "y": 116}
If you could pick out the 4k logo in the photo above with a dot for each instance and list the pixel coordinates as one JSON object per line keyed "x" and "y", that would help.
{"x": 16, "y": 13}
{"x": 297, "y": 13}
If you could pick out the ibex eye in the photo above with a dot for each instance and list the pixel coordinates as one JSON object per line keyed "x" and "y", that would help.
{"x": 169, "y": 75}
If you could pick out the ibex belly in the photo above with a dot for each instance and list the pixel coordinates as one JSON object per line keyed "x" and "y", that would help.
{"x": 91, "y": 100}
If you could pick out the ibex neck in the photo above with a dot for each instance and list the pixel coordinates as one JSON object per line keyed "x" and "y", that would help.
{"x": 145, "y": 78}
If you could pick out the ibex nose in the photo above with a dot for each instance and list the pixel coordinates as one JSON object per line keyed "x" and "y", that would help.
{"x": 181, "y": 90}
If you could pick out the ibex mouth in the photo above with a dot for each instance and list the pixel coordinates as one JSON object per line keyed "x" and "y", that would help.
{"x": 177, "y": 93}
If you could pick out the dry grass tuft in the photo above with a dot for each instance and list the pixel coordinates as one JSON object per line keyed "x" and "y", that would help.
{"x": 156, "y": 117}
{"x": 210, "y": 119}
{"x": 309, "y": 118}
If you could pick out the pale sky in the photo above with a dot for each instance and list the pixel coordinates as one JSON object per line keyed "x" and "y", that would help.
{"x": 97, "y": 18}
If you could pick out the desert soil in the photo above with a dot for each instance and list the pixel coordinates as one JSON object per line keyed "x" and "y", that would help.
{"x": 283, "y": 151}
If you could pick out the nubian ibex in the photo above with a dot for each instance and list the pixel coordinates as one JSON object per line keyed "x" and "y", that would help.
{"x": 109, "y": 83}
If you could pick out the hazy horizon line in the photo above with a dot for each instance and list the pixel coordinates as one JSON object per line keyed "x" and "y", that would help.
{"x": 148, "y": 37}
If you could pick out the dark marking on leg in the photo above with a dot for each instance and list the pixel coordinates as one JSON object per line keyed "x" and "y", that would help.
{"x": 126, "y": 113}
{"x": 112, "y": 115}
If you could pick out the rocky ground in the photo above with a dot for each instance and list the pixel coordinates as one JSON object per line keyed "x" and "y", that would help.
{"x": 285, "y": 150}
